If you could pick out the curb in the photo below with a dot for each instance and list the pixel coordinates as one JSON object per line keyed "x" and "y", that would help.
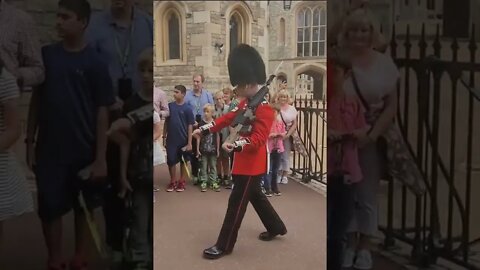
{"x": 313, "y": 185}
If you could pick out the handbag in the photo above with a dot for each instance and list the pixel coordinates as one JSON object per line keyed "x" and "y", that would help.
{"x": 296, "y": 141}
{"x": 393, "y": 150}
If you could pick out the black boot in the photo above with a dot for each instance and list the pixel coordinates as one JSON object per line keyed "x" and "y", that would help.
{"x": 214, "y": 253}
{"x": 266, "y": 236}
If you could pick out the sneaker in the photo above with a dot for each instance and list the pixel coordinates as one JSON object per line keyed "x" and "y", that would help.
{"x": 268, "y": 193}
{"x": 348, "y": 257}
{"x": 195, "y": 180}
{"x": 203, "y": 186}
{"x": 277, "y": 193}
{"x": 364, "y": 260}
{"x": 279, "y": 179}
{"x": 171, "y": 186}
{"x": 216, "y": 187}
{"x": 181, "y": 186}
{"x": 284, "y": 180}
{"x": 228, "y": 184}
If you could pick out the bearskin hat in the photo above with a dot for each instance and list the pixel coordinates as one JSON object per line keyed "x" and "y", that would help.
{"x": 246, "y": 66}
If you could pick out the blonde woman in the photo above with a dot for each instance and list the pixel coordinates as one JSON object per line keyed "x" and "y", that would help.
{"x": 376, "y": 77}
{"x": 334, "y": 32}
{"x": 288, "y": 114}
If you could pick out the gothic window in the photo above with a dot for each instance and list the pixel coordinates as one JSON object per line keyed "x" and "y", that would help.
{"x": 238, "y": 25}
{"x": 173, "y": 36}
{"x": 170, "y": 47}
{"x": 311, "y": 32}
{"x": 236, "y": 30}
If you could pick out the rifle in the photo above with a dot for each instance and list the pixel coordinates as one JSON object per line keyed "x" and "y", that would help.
{"x": 244, "y": 117}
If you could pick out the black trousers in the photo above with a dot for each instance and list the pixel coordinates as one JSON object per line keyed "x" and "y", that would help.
{"x": 194, "y": 161}
{"x": 275, "y": 157}
{"x": 340, "y": 206}
{"x": 247, "y": 189}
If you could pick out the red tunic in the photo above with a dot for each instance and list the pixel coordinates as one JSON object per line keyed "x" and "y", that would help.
{"x": 252, "y": 160}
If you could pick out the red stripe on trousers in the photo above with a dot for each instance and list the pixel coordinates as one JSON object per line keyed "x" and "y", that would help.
{"x": 238, "y": 211}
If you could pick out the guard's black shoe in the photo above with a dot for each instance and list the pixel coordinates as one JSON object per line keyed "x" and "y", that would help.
{"x": 266, "y": 236}
{"x": 214, "y": 253}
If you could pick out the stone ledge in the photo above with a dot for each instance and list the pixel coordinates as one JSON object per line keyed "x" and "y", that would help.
{"x": 313, "y": 185}
{"x": 400, "y": 255}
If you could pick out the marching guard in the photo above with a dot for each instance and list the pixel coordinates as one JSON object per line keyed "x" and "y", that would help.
{"x": 247, "y": 71}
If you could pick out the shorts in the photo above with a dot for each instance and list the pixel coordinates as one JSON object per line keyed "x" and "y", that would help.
{"x": 175, "y": 154}
{"x": 58, "y": 188}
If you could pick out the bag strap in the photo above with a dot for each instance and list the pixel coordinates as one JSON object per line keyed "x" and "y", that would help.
{"x": 283, "y": 120}
{"x": 360, "y": 96}
{"x": 359, "y": 93}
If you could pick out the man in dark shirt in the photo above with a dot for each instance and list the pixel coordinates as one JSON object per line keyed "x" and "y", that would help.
{"x": 72, "y": 122}
{"x": 119, "y": 33}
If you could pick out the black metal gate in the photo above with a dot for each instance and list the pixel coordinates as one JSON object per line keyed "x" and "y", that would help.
{"x": 312, "y": 130}
{"x": 438, "y": 114}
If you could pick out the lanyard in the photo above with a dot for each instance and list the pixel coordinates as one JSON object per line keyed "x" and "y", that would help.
{"x": 123, "y": 57}
{"x": 198, "y": 101}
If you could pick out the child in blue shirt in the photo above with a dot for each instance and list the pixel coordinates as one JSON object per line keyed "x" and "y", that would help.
{"x": 179, "y": 126}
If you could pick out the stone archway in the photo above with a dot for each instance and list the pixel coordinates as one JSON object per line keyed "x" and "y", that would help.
{"x": 309, "y": 80}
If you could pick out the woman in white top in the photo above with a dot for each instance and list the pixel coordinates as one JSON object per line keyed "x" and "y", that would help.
{"x": 289, "y": 115}
{"x": 15, "y": 198}
{"x": 159, "y": 154}
{"x": 159, "y": 150}
{"x": 377, "y": 77}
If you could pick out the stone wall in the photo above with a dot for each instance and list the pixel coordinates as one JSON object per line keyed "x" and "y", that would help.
{"x": 206, "y": 27}
{"x": 44, "y": 14}
{"x": 278, "y": 52}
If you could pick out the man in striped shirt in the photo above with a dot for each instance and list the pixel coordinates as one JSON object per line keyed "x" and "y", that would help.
{"x": 19, "y": 47}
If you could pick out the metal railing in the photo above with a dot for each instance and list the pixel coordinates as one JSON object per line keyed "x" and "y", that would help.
{"x": 312, "y": 131}
{"x": 436, "y": 114}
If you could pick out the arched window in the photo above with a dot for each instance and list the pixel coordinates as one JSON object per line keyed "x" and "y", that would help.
{"x": 236, "y": 30}
{"x": 170, "y": 33}
{"x": 173, "y": 36}
{"x": 238, "y": 22}
{"x": 311, "y": 32}
{"x": 282, "y": 32}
